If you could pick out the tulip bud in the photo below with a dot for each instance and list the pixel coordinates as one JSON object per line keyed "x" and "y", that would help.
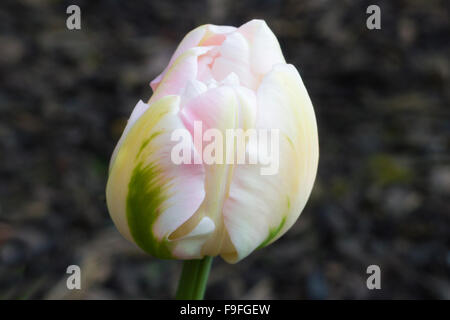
{"x": 220, "y": 78}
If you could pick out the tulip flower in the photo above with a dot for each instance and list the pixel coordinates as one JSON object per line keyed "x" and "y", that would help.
{"x": 222, "y": 78}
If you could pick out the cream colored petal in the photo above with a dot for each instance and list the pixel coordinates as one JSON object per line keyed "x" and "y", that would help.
{"x": 261, "y": 208}
{"x": 148, "y": 195}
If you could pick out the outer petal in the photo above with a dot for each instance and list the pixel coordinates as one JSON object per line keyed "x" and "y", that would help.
{"x": 260, "y": 208}
{"x": 148, "y": 196}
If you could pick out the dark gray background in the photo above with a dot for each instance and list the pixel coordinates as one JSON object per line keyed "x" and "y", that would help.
{"x": 383, "y": 186}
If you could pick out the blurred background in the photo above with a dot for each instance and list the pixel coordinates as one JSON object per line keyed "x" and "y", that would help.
{"x": 383, "y": 187}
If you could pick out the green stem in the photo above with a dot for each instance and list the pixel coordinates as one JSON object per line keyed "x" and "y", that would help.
{"x": 194, "y": 277}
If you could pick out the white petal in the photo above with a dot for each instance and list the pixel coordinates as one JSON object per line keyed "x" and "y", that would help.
{"x": 192, "y": 90}
{"x": 235, "y": 47}
{"x": 201, "y": 36}
{"x": 223, "y": 67}
{"x": 191, "y": 40}
{"x": 265, "y": 50}
{"x": 231, "y": 80}
{"x": 190, "y": 245}
{"x": 183, "y": 70}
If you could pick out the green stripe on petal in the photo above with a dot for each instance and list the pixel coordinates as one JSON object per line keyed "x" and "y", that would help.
{"x": 273, "y": 233}
{"x": 145, "y": 202}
